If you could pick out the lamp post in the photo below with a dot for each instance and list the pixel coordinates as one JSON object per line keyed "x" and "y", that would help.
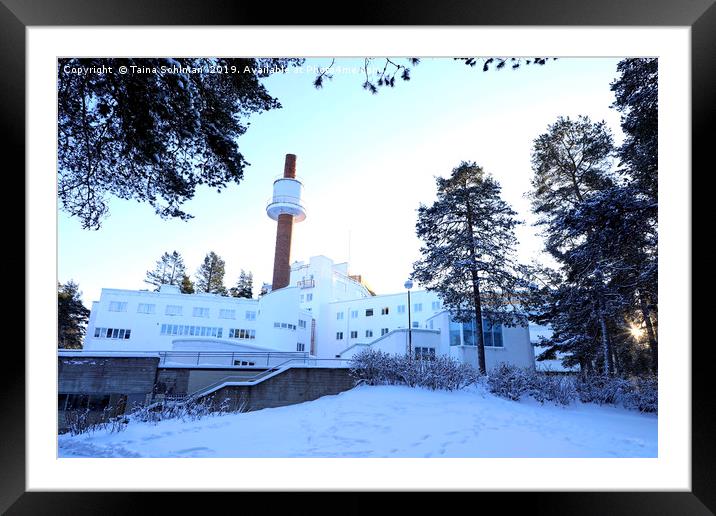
{"x": 409, "y": 285}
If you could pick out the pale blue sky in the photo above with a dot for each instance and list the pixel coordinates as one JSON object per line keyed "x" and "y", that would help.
{"x": 367, "y": 162}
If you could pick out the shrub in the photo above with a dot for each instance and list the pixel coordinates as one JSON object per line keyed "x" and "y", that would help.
{"x": 440, "y": 372}
{"x": 509, "y": 382}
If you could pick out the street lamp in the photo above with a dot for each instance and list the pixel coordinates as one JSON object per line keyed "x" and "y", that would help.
{"x": 409, "y": 285}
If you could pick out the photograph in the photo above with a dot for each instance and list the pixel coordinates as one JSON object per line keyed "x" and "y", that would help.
{"x": 358, "y": 257}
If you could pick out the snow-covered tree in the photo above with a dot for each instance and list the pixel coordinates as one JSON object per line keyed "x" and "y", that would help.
{"x": 210, "y": 276}
{"x": 72, "y": 316}
{"x": 468, "y": 250}
{"x": 244, "y": 286}
{"x": 636, "y": 98}
{"x": 154, "y": 137}
{"x": 572, "y": 164}
{"x": 169, "y": 270}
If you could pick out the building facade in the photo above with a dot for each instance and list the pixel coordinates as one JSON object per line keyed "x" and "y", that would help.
{"x": 323, "y": 312}
{"x": 316, "y": 308}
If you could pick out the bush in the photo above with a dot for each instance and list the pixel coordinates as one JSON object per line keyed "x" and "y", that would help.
{"x": 639, "y": 393}
{"x": 79, "y": 422}
{"x": 436, "y": 373}
{"x": 509, "y": 382}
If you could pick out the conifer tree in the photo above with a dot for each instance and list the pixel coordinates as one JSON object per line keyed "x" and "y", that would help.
{"x": 169, "y": 270}
{"x": 210, "y": 276}
{"x": 468, "y": 250}
{"x": 72, "y": 316}
{"x": 244, "y": 286}
{"x": 571, "y": 164}
{"x": 186, "y": 286}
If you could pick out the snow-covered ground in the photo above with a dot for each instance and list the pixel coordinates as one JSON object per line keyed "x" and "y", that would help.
{"x": 389, "y": 421}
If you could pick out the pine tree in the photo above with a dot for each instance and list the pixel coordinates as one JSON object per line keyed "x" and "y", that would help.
{"x": 210, "y": 276}
{"x": 571, "y": 164}
{"x": 169, "y": 270}
{"x": 468, "y": 251}
{"x": 186, "y": 286}
{"x": 244, "y": 286}
{"x": 636, "y": 97}
{"x": 154, "y": 137}
{"x": 72, "y": 316}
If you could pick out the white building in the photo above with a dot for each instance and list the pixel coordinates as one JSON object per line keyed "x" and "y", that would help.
{"x": 324, "y": 312}
{"x": 316, "y": 308}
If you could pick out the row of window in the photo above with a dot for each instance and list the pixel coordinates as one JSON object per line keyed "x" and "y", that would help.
{"x": 112, "y": 333}
{"x": 354, "y": 333}
{"x": 197, "y": 311}
{"x": 306, "y": 297}
{"x": 423, "y": 353}
{"x": 369, "y": 312}
{"x": 284, "y": 325}
{"x": 238, "y": 333}
{"x": 195, "y": 331}
{"x": 465, "y": 334}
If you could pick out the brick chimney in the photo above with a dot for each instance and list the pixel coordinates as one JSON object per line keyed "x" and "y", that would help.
{"x": 284, "y": 207}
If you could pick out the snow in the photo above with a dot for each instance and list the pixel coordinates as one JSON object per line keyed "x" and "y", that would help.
{"x": 388, "y": 421}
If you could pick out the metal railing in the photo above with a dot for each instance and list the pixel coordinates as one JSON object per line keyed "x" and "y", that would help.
{"x": 254, "y": 358}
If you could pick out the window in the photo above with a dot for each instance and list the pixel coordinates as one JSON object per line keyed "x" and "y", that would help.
{"x": 492, "y": 334}
{"x": 339, "y": 316}
{"x": 244, "y": 363}
{"x": 417, "y": 307}
{"x": 200, "y": 312}
{"x": 173, "y": 310}
{"x": 383, "y": 331}
{"x": 240, "y": 333}
{"x": 339, "y": 335}
{"x": 455, "y": 338}
{"x": 425, "y": 353}
{"x": 182, "y": 330}
{"x": 384, "y": 311}
{"x": 277, "y": 325}
{"x": 301, "y": 323}
{"x": 369, "y": 312}
{"x": 112, "y": 333}
{"x": 226, "y": 313}
{"x": 302, "y": 298}
{"x": 416, "y": 324}
{"x": 300, "y": 346}
{"x": 436, "y": 305}
{"x": 250, "y": 315}
{"x": 309, "y": 297}
{"x": 143, "y": 308}
{"x": 369, "y": 333}
{"x": 354, "y": 314}
{"x": 354, "y": 334}
{"x": 117, "y": 306}
{"x": 401, "y": 309}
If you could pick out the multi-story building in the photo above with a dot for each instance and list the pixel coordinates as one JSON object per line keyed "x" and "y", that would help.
{"x": 315, "y": 307}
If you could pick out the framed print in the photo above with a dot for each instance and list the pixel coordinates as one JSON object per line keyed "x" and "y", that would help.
{"x": 659, "y": 464}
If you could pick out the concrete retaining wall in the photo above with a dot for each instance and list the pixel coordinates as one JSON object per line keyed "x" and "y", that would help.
{"x": 294, "y": 385}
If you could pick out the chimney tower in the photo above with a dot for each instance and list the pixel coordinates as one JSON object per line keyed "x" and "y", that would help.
{"x": 285, "y": 207}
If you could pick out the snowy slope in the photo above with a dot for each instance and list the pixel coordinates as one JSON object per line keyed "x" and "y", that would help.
{"x": 389, "y": 421}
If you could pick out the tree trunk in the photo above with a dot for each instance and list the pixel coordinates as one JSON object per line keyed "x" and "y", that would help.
{"x": 606, "y": 345}
{"x": 653, "y": 345}
{"x": 480, "y": 341}
{"x": 478, "y": 323}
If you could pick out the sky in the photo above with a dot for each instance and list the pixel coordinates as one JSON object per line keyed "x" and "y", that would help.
{"x": 367, "y": 163}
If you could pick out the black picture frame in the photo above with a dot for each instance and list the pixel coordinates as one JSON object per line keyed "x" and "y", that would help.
{"x": 700, "y": 15}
